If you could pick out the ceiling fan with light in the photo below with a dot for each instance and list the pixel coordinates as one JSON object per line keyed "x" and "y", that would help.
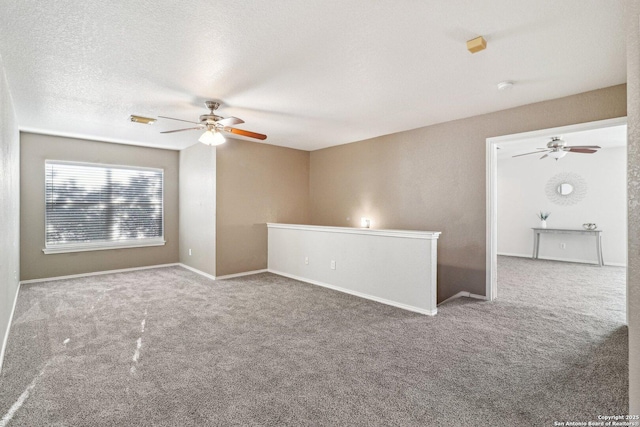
{"x": 214, "y": 125}
{"x": 557, "y": 148}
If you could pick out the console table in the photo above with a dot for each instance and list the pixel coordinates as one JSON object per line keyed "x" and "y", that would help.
{"x": 596, "y": 233}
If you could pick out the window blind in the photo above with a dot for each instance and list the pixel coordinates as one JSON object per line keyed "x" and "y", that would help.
{"x": 89, "y": 205}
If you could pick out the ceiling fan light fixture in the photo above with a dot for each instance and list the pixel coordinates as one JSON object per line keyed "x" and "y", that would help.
{"x": 213, "y": 125}
{"x": 557, "y": 154}
{"x": 212, "y": 137}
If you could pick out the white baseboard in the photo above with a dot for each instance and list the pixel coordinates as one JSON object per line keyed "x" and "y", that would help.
{"x": 358, "y": 294}
{"x": 464, "y": 294}
{"x": 226, "y": 276}
{"x": 514, "y": 255}
{"x": 124, "y": 270}
{"x": 616, "y": 264}
{"x": 96, "y": 273}
{"x": 195, "y": 270}
{"x": 579, "y": 261}
{"x": 6, "y": 335}
{"x": 246, "y": 273}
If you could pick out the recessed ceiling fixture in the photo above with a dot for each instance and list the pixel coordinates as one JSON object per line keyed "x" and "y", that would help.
{"x": 506, "y": 85}
{"x": 143, "y": 120}
{"x": 214, "y": 125}
{"x": 477, "y": 44}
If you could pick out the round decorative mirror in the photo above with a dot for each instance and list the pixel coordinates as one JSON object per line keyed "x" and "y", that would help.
{"x": 567, "y": 188}
{"x": 564, "y": 189}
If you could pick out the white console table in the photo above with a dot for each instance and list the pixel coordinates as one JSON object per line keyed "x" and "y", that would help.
{"x": 596, "y": 233}
{"x": 394, "y": 267}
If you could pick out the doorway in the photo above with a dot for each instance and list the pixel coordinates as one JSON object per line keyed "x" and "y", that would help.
{"x": 523, "y": 143}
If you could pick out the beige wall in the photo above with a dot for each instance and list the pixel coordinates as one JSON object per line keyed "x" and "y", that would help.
{"x": 633, "y": 219}
{"x": 433, "y": 178}
{"x": 256, "y": 184}
{"x": 35, "y": 149}
{"x": 198, "y": 207}
{"x": 9, "y": 209}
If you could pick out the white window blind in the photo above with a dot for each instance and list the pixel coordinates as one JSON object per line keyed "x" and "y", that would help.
{"x": 91, "y": 206}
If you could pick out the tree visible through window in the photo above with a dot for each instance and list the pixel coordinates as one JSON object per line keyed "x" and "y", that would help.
{"x": 93, "y": 205}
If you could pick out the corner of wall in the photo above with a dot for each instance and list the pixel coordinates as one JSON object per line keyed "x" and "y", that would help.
{"x": 257, "y": 183}
{"x": 197, "y": 208}
{"x": 9, "y": 209}
{"x": 633, "y": 188}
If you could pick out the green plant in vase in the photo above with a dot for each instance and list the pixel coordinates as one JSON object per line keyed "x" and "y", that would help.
{"x": 543, "y": 218}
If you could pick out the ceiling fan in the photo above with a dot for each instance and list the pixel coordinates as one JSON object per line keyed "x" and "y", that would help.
{"x": 557, "y": 148}
{"x": 214, "y": 125}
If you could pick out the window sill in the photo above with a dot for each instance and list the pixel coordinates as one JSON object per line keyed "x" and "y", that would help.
{"x": 101, "y": 246}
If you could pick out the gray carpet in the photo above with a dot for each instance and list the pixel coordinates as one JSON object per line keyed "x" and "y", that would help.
{"x": 170, "y": 348}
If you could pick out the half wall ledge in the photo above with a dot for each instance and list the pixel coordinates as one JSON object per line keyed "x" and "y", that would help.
{"x": 394, "y": 267}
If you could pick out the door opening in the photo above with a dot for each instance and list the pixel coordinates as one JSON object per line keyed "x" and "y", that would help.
{"x": 517, "y": 143}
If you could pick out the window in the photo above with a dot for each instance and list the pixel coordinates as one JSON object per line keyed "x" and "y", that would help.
{"x": 92, "y": 206}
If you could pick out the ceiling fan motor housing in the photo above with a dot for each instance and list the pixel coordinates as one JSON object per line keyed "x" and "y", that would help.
{"x": 212, "y": 105}
{"x": 209, "y": 119}
{"x": 556, "y": 143}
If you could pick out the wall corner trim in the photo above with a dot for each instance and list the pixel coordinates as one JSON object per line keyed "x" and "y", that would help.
{"x": 5, "y": 340}
{"x": 195, "y": 270}
{"x": 226, "y": 276}
{"x": 464, "y": 294}
{"x": 246, "y": 273}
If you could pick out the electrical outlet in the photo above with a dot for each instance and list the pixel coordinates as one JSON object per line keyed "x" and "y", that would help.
{"x": 189, "y": 251}
{"x": 563, "y": 246}
{"x": 333, "y": 265}
{"x": 306, "y": 260}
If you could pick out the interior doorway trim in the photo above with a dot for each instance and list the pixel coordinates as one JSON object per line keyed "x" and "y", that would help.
{"x": 492, "y": 186}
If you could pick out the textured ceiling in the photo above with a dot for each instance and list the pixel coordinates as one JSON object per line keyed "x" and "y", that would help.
{"x": 309, "y": 74}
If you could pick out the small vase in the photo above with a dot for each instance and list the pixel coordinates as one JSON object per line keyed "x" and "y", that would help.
{"x": 543, "y": 224}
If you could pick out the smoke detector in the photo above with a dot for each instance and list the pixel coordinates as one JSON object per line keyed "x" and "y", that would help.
{"x": 506, "y": 85}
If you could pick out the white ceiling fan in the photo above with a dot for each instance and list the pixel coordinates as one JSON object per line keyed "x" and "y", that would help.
{"x": 557, "y": 148}
{"x": 214, "y": 125}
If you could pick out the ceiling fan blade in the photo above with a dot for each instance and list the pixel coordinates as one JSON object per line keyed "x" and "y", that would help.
{"x": 230, "y": 121}
{"x": 245, "y": 133}
{"x": 584, "y": 146}
{"x": 582, "y": 150}
{"x": 546, "y": 155}
{"x": 526, "y": 154}
{"x": 180, "y": 120}
{"x": 181, "y": 130}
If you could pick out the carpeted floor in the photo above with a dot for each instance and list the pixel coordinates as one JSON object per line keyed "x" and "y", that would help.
{"x": 170, "y": 348}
